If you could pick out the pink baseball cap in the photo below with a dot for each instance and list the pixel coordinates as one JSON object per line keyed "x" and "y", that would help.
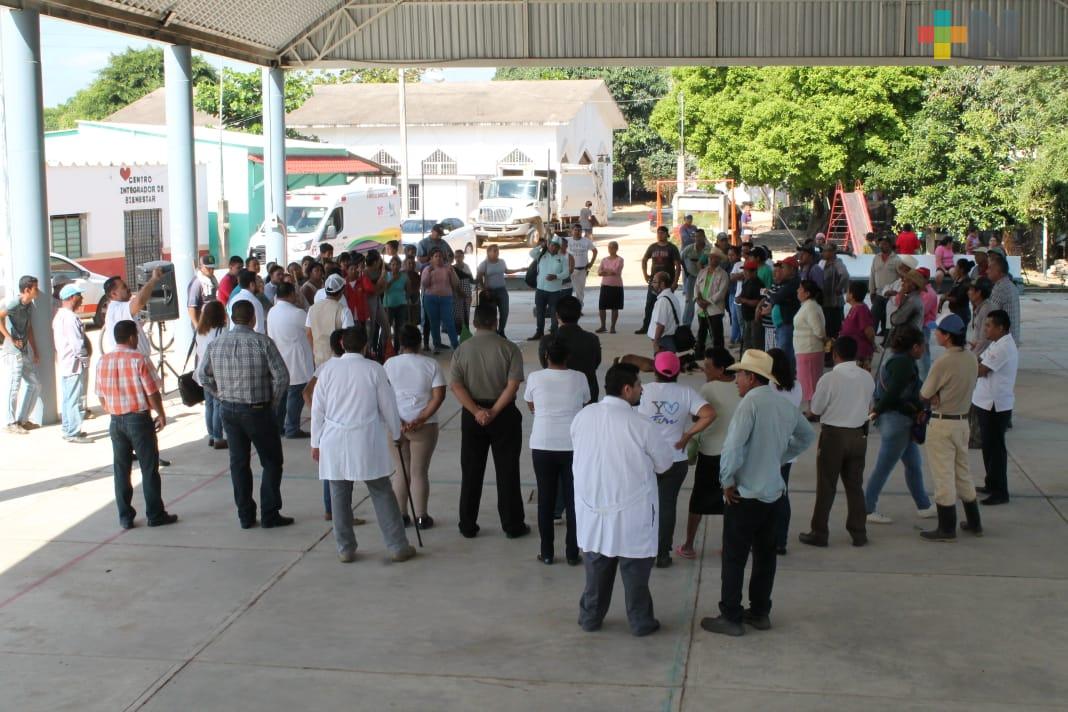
{"x": 667, "y": 364}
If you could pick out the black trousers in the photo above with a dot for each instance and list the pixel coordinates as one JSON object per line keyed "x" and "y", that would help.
{"x": 552, "y": 468}
{"x": 832, "y": 317}
{"x": 782, "y": 514}
{"x": 600, "y": 580}
{"x": 504, "y": 436}
{"x": 668, "y": 485}
{"x": 878, "y": 312}
{"x": 247, "y": 426}
{"x": 992, "y": 426}
{"x": 840, "y": 455}
{"x": 708, "y": 324}
{"x": 748, "y": 525}
{"x": 650, "y": 302}
{"x": 136, "y": 433}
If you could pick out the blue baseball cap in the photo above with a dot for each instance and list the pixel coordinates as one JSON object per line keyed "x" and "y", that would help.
{"x": 952, "y": 324}
{"x": 70, "y": 290}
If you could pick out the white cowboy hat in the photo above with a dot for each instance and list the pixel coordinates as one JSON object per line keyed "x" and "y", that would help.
{"x": 909, "y": 261}
{"x": 755, "y": 361}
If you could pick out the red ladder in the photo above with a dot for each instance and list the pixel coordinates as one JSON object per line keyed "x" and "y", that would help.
{"x": 849, "y": 221}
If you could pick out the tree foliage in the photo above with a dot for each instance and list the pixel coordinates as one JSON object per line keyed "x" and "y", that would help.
{"x": 242, "y": 94}
{"x": 126, "y": 78}
{"x": 637, "y": 150}
{"x": 800, "y": 128}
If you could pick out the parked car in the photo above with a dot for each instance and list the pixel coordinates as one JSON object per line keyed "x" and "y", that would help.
{"x": 65, "y": 270}
{"x": 458, "y": 235}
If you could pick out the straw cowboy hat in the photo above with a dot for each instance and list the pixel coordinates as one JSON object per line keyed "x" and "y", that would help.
{"x": 917, "y": 277}
{"x": 909, "y": 261}
{"x": 755, "y": 361}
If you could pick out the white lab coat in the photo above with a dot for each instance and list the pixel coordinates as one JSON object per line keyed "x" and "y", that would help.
{"x": 354, "y": 420}
{"x": 617, "y": 453}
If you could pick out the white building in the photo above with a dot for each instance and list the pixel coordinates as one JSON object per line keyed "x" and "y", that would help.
{"x": 461, "y": 133}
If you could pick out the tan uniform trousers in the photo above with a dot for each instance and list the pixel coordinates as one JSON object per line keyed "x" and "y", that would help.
{"x": 947, "y": 453}
{"x": 417, "y": 447}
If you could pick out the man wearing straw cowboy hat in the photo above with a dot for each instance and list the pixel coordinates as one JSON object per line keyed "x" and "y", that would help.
{"x": 765, "y": 432}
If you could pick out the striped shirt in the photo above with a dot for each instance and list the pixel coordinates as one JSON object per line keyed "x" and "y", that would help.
{"x": 125, "y": 378}
{"x": 242, "y": 366}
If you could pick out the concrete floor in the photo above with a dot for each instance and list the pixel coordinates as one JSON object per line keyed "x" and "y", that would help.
{"x": 205, "y": 616}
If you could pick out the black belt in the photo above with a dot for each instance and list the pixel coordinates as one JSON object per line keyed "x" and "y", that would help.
{"x": 578, "y": 268}
{"x": 943, "y": 416}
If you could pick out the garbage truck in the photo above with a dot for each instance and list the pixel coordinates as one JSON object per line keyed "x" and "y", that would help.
{"x": 525, "y": 208}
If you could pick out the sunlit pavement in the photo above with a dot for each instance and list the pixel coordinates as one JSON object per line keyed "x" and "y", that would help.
{"x": 203, "y": 615}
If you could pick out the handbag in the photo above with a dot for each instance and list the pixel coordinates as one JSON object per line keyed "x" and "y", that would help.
{"x": 190, "y": 391}
{"x": 531, "y": 277}
{"x": 919, "y": 426}
{"x": 684, "y": 338}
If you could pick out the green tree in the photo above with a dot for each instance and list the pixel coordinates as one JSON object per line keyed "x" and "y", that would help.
{"x": 372, "y": 75}
{"x": 800, "y": 128}
{"x": 636, "y": 91}
{"x": 243, "y": 98}
{"x": 126, "y": 78}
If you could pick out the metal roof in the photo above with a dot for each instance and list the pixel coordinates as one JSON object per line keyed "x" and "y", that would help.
{"x": 351, "y": 164}
{"x": 461, "y": 103}
{"x": 332, "y": 33}
{"x": 151, "y": 109}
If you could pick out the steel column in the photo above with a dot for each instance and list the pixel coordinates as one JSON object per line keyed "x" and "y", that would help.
{"x": 20, "y": 43}
{"x": 181, "y": 174}
{"x": 275, "y": 162}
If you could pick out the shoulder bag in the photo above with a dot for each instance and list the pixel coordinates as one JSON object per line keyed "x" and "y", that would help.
{"x": 684, "y": 339}
{"x": 531, "y": 277}
{"x": 190, "y": 391}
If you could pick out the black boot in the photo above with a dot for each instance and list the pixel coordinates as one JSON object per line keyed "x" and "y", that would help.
{"x": 947, "y": 525}
{"x": 974, "y": 523}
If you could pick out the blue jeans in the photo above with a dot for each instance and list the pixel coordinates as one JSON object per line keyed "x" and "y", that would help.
{"x": 289, "y": 410}
{"x": 925, "y": 361}
{"x": 501, "y": 294}
{"x": 736, "y": 318}
{"x": 895, "y": 429}
{"x": 71, "y": 391}
{"x": 439, "y": 310}
{"x": 784, "y": 339}
{"x": 545, "y": 306}
{"x": 135, "y": 433}
{"x": 247, "y": 426}
{"x": 782, "y": 513}
{"x": 213, "y": 416}
{"x": 687, "y": 287}
{"x": 19, "y": 369}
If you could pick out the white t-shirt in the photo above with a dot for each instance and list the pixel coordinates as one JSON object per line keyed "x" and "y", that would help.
{"x": 120, "y": 311}
{"x": 737, "y": 269}
{"x": 662, "y": 314}
{"x": 994, "y": 391}
{"x": 557, "y": 396}
{"x": 580, "y": 250}
{"x": 413, "y": 377}
{"x": 670, "y": 406}
{"x": 246, "y": 296}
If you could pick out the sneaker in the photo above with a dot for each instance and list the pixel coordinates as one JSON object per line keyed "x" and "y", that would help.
{"x": 929, "y": 513}
{"x": 876, "y": 518}
{"x": 346, "y": 557}
{"x": 27, "y": 425}
{"x": 77, "y": 440}
{"x": 404, "y": 554}
{"x": 16, "y": 429}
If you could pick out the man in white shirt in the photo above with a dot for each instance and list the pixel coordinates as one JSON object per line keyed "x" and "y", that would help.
{"x": 579, "y": 246}
{"x": 351, "y": 436}
{"x": 285, "y": 322}
{"x": 842, "y": 401}
{"x": 123, "y": 305}
{"x": 617, "y": 454}
{"x": 993, "y": 399}
{"x": 72, "y": 361}
{"x": 666, "y": 314}
{"x": 249, "y": 289}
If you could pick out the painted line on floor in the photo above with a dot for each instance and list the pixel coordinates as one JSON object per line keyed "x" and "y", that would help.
{"x": 95, "y": 548}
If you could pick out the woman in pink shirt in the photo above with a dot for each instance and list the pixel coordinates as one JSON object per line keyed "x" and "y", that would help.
{"x": 611, "y": 272}
{"x": 859, "y": 324}
{"x": 944, "y": 254}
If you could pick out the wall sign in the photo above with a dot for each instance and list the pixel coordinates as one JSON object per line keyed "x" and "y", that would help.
{"x": 138, "y": 188}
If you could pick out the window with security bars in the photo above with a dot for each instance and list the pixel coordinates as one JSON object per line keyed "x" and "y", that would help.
{"x": 413, "y": 198}
{"x": 439, "y": 163}
{"x": 68, "y": 235}
{"x": 143, "y": 238}
{"x": 517, "y": 157}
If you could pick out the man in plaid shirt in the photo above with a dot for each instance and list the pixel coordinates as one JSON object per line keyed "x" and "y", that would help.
{"x": 245, "y": 371}
{"x": 129, "y": 388}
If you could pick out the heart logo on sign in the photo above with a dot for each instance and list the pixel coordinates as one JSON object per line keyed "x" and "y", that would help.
{"x": 671, "y": 408}
{"x": 125, "y": 172}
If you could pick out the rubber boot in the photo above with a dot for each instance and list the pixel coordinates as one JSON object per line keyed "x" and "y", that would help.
{"x": 947, "y": 525}
{"x": 974, "y": 523}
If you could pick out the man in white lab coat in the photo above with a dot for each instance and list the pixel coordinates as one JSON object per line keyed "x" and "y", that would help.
{"x": 617, "y": 453}
{"x": 354, "y": 422}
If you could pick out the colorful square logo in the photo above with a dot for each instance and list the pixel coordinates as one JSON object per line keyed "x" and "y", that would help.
{"x": 943, "y": 34}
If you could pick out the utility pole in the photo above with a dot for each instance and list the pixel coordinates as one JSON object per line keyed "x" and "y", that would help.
{"x": 403, "y": 147}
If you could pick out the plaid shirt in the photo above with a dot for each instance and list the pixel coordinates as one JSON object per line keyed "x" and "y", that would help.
{"x": 125, "y": 378}
{"x": 242, "y": 366}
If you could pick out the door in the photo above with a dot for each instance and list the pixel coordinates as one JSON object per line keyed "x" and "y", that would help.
{"x": 144, "y": 240}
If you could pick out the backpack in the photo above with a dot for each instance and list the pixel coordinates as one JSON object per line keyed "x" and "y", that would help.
{"x": 531, "y": 277}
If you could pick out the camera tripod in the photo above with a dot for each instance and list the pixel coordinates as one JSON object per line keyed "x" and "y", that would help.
{"x": 162, "y": 365}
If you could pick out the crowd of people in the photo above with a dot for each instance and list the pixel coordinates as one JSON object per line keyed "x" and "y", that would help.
{"x": 346, "y": 338}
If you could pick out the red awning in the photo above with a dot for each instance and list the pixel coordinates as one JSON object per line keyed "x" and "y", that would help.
{"x": 352, "y": 165}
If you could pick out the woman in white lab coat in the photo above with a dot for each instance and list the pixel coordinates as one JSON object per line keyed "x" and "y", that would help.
{"x": 353, "y": 410}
